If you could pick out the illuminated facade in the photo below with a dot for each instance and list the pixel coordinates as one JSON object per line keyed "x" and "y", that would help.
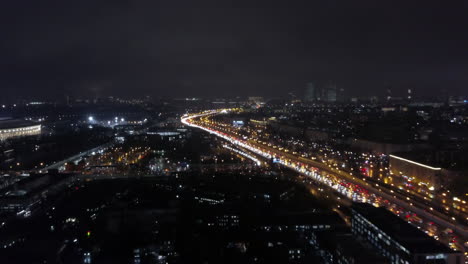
{"x": 415, "y": 173}
{"x": 431, "y": 182}
{"x": 18, "y": 128}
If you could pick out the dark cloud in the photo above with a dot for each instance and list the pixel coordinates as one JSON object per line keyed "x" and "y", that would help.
{"x": 187, "y": 48}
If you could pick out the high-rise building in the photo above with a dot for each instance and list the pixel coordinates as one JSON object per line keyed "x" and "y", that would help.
{"x": 326, "y": 93}
{"x": 310, "y": 92}
{"x": 331, "y": 92}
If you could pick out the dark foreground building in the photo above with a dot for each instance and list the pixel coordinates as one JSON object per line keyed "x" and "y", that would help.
{"x": 342, "y": 248}
{"x": 397, "y": 240}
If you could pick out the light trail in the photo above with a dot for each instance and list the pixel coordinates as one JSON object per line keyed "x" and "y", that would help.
{"x": 258, "y": 162}
{"x": 337, "y": 185}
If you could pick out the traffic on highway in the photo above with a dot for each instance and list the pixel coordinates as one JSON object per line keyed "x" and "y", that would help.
{"x": 354, "y": 187}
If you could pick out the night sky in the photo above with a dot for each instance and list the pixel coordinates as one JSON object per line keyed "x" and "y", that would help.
{"x": 199, "y": 48}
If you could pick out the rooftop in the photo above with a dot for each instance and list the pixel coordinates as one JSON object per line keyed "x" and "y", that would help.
{"x": 348, "y": 246}
{"x": 404, "y": 233}
{"x": 15, "y": 123}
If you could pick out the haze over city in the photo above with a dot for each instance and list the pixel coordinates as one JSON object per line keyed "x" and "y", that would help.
{"x": 235, "y": 48}
{"x": 167, "y": 132}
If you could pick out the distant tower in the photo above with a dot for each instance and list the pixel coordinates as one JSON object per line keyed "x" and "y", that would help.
{"x": 445, "y": 95}
{"x": 331, "y": 92}
{"x": 388, "y": 93}
{"x": 321, "y": 93}
{"x": 410, "y": 94}
{"x": 310, "y": 93}
{"x": 340, "y": 96}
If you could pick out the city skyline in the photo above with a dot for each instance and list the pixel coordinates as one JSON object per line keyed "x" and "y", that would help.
{"x": 221, "y": 48}
{"x": 222, "y": 131}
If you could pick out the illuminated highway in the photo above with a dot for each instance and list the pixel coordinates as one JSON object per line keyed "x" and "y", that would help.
{"x": 356, "y": 189}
